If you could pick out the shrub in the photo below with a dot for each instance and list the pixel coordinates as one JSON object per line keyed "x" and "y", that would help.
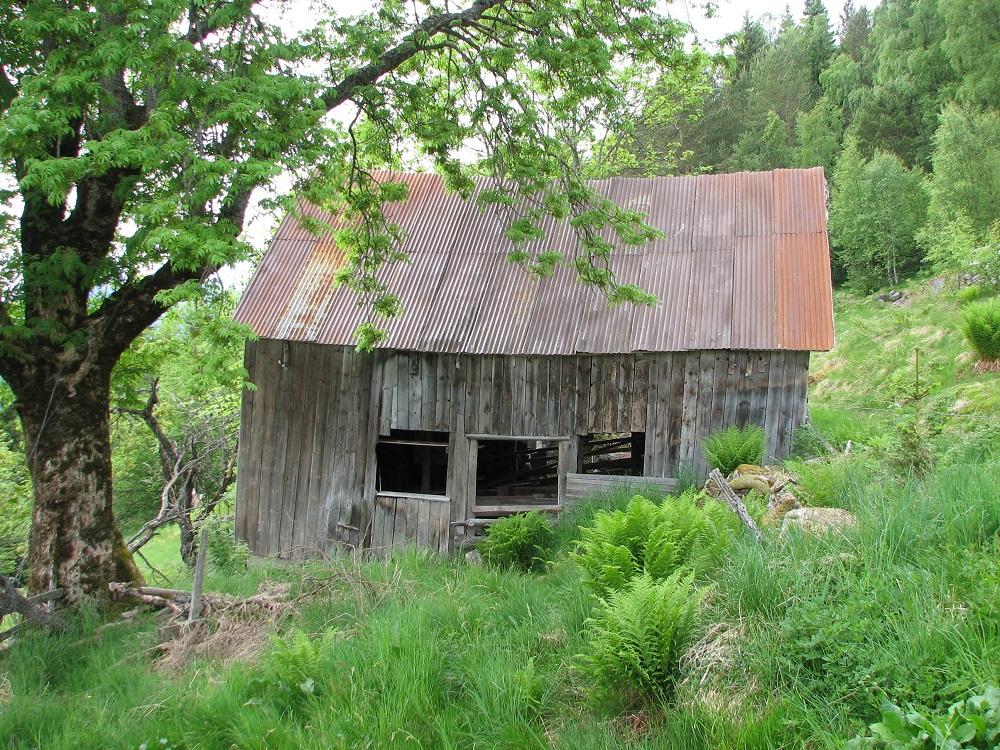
{"x": 733, "y": 446}
{"x": 973, "y": 723}
{"x": 972, "y": 293}
{"x": 636, "y": 637}
{"x": 653, "y": 539}
{"x": 225, "y": 552}
{"x": 981, "y": 326}
{"x": 523, "y": 541}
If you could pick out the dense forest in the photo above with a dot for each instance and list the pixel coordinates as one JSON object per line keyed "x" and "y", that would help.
{"x": 898, "y": 105}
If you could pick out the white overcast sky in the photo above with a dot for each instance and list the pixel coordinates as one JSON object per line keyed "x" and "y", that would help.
{"x": 726, "y": 19}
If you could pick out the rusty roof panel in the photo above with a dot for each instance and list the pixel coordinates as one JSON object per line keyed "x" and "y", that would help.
{"x": 799, "y": 201}
{"x": 663, "y": 328}
{"x": 744, "y": 263}
{"x": 754, "y": 204}
{"x": 753, "y": 293}
{"x": 799, "y": 277}
{"x": 714, "y": 212}
{"x": 710, "y": 301}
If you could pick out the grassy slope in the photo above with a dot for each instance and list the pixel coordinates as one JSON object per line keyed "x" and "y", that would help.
{"x": 809, "y": 635}
{"x": 856, "y": 390}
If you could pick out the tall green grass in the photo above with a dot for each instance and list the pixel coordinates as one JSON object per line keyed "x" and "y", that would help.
{"x": 428, "y": 653}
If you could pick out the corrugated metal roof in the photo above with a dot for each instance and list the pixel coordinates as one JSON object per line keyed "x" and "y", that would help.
{"x": 744, "y": 264}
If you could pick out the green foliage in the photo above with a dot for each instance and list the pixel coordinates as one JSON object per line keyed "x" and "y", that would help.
{"x": 981, "y": 326}
{"x": 971, "y": 293}
{"x": 727, "y": 449}
{"x": 522, "y": 541}
{"x": 972, "y": 723}
{"x": 637, "y": 635}
{"x": 15, "y": 508}
{"x": 653, "y": 539}
{"x": 966, "y": 177}
{"x": 876, "y": 209}
{"x": 765, "y": 149}
{"x": 225, "y": 552}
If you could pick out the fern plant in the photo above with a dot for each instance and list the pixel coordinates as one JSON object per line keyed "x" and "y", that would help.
{"x": 981, "y": 326}
{"x": 636, "y": 637}
{"x": 653, "y": 539}
{"x": 733, "y": 446}
{"x": 522, "y": 541}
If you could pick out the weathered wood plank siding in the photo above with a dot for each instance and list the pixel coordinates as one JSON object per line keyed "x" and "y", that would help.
{"x": 307, "y": 467}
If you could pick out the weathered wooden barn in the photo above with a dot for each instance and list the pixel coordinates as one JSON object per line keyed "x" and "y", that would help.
{"x": 497, "y": 391}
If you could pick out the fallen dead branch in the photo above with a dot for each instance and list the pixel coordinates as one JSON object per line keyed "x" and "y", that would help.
{"x": 31, "y": 608}
{"x": 731, "y": 499}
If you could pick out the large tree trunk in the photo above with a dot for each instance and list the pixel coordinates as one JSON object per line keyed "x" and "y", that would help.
{"x": 74, "y": 544}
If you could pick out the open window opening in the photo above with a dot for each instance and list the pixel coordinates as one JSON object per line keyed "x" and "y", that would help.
{"x": 619, "y": 454}
{"x": 412, "y": 461}
{"x": 517, "y": 472}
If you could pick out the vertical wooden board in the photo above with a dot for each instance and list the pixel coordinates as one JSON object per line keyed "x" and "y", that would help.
{"x": 427, "y": 383}
{"x": 651, "y": 367}
{"x": 344, "y": 444}
{"x": 415, "y": 386}
{"x": 734, "y": 367}
{"x": 359, "y": 447}
{"x": 318, "y": 472}
{"x": 720, "y": 370}
{"x": 442, "y": 393}
{"x": 665, "y": 367}
{"x": 441, "y": 515}
{"x": 569, "y": 461}
{"x": 422, "y": 535}
{"x": 468, "y": 375}
{"x": 553, "y": 373}
{"x": 512, "y": 388}
{"x": 801, "y": 389}
{"x": 473, "y": 468}
{"x": 772, "y": 408}
{"x": 398, "y": 524}
{"x": 759, "y": 375}
{"x": 248, "y": 476}
{"x": 270, "y": 505}
{"x": 529, "y": 416}
{"x": 369, "y": 456}
{"x": 708, "y": 389}
{"x": 268, "y": 391}
{"x": 434, "y": 540}
{"x": 297, "y": 429}
{"x": 581, "y": 390}
{"x": 319, "y": 469}
{"x": 458, "y": 453}
{"x": 488, "y": 372}
{"x": 744, "y": 387}
{"x": 378, "y": 523}
{"x": 793, "y": 401}
{"x": 678, "y": 380}
{"x": 298, "y": 487}
{"x": 689, "y": 407}
{"x": 387, "y": 375}
{"x": 569, "y": 403}
{"x": 626, "y": 378}
{"x": 412, "y": 516}
{"x": 640, "y": 392}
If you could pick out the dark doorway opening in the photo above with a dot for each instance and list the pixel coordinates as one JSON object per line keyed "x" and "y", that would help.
{"x": 620, "y": 454}
{"x": 517, "y": 471}
{"x": 414, "y": 461}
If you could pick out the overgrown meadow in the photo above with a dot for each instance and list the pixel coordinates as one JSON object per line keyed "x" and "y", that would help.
{"x": 794, "y": 643}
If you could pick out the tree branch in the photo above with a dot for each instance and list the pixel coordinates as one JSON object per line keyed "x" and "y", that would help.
{"x": 412, "y": 43}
